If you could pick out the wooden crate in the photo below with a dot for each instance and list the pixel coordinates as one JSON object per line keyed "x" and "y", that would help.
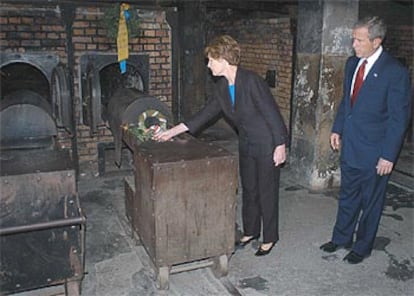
{"x": 129, "y": 189}
{"x": 184, "y": 205}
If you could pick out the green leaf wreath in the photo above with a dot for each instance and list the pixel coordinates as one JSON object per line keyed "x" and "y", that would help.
{"x": 110, "y": 21}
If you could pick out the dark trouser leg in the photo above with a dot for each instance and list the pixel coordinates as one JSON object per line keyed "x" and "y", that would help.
{"x": 268, "y": 179}
{"x": 361, "y": 198}
{"x": 260, "y": 182}
{"x": 250, "y": 196}
{"x": 349, "y": 205}
{"x": 373, "y": 198}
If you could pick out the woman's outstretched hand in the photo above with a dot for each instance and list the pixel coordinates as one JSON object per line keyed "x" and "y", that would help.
{"x": 167, "y": 135}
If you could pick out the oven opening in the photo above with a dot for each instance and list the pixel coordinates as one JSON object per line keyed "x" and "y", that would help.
{"x": 26, "y": 115}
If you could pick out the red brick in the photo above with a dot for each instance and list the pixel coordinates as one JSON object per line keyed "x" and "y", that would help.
{"x": 79, "y": 46}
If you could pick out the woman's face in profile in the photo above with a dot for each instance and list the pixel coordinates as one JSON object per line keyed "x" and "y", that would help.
{"x": 217, "y": 66}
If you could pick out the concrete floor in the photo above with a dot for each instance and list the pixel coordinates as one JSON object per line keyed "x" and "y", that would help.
{"x": 116, "y": 264}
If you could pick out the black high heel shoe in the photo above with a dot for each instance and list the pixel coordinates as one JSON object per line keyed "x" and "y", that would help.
{"x": 241, "y": 244}
{"x": 261, "y": 252}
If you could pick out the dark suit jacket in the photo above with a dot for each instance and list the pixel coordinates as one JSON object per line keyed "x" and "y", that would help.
{"x": 375, "y": 126}
{"x": 255, "y": 115}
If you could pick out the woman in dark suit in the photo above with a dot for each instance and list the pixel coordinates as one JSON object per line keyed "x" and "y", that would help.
{"x": 245, "y": 99}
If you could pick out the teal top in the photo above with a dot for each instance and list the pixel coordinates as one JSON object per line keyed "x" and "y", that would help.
{"x": 231, "y": 90}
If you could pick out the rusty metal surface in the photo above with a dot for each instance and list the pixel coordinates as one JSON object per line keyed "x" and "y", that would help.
{"x": 92, "y": 101}
{"x": 44, "y": 257}
{"x": 125, "y": 106}
{"x": 184, "y": 148}
{"x": 44, "y": 62}
{"x": 24, "y": 96}
{"x": 41, "y": 223}
{"x": 32, "y": 195}
{"x": 41, "y": 226}
{"x": 102, "y": 61}
{"x": 16, "y": 162}
{"x": 100, "y": 80}
{"x": 25, "y": 116}
{"x": 184, "y": 206}
{"x": 114, "y": 114}
{"x": 61, "y": 98}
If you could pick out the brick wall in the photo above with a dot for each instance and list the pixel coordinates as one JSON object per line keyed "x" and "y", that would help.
{"x": 33, "y": 29}
{"x": 400, "y": 43}
{"x": 266, "y": 44}
{"x": 154, "y": 40}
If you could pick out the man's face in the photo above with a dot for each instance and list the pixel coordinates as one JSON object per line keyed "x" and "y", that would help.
{"x": 217, "y": 66}
{"x": 363, "y": 46}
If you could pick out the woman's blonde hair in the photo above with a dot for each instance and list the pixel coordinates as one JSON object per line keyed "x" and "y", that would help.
{"x": 224, "y": 47}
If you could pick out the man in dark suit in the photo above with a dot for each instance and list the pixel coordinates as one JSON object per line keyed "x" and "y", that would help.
{"x": 246, "y": 101}
{"x": 369, "y": 128}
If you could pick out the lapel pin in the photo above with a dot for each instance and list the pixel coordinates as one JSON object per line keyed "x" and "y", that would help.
{"x": 375, "y": 75}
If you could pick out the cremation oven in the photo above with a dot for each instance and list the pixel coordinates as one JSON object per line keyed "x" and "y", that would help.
{"x": 42, "y": 227}
{"x": 115, "y": 100}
